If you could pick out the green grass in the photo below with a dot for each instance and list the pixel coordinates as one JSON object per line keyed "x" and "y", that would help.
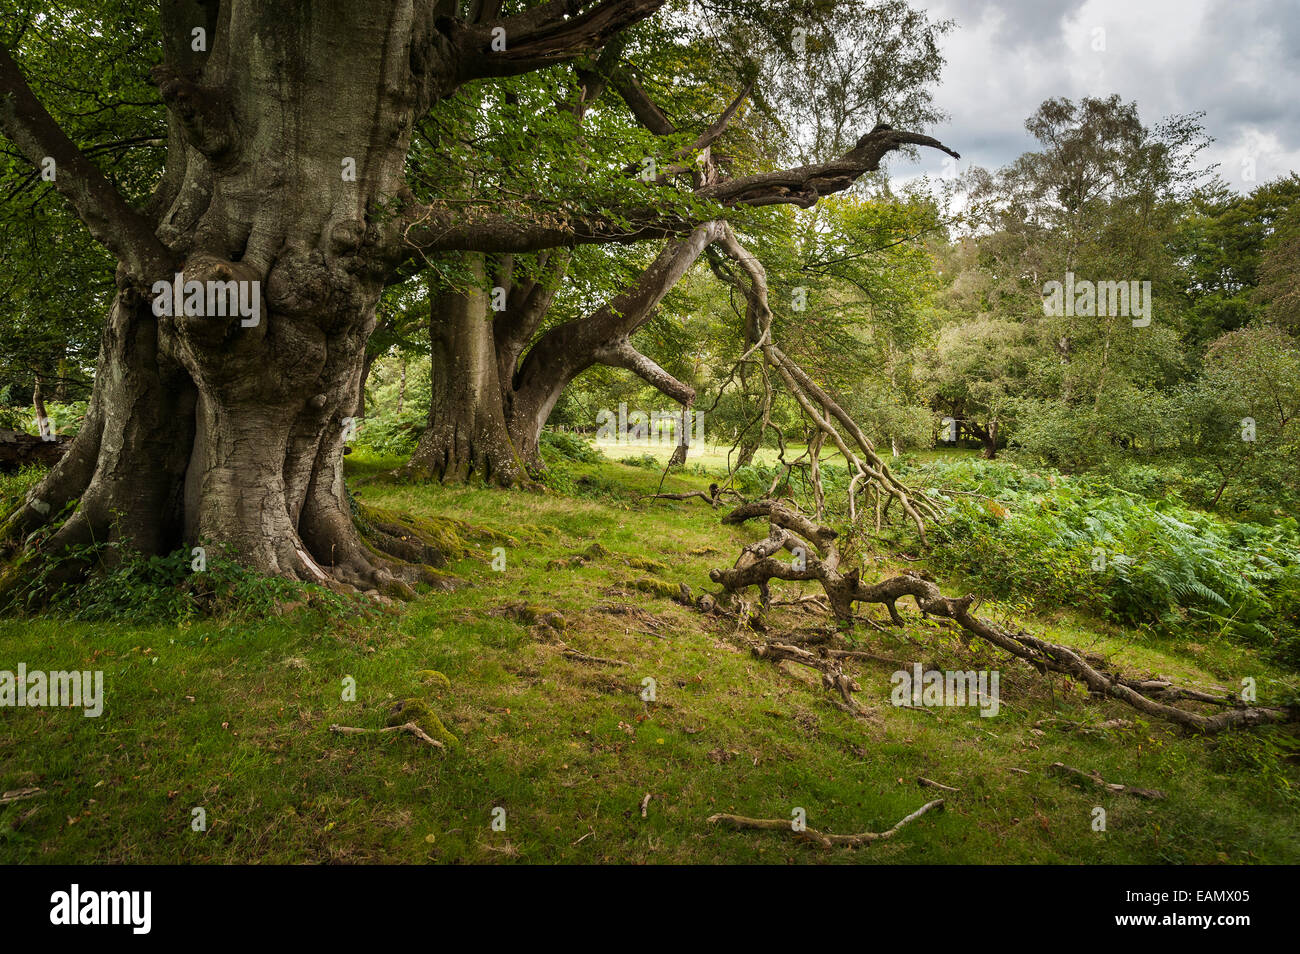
{"x": 233, "y": 716}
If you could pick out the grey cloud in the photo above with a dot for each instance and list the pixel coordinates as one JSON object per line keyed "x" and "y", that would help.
{"x": 1236, "y": 60}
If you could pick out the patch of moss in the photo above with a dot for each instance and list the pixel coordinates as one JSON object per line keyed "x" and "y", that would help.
{"x": 546, "y": 616}
{"x": 443, "y": 534}
{"x": 565, "y": 563}
{"x": 432, "y": 677}
{"x": 530, "y": 614}
{"x": 418, "y": 711}
{"x": 653, "y": 566}
{"x": 657, "y": 587}
{"x": 442, "y": 582}
{"x": 595, "y": 552}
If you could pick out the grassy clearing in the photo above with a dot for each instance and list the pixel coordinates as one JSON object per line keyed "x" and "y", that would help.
{"x": 232, "y": 716}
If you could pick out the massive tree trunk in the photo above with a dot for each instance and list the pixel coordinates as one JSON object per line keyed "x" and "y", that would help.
{"x": 491, "y": 400}
{"x": 289, "y": 125}
{"x": 467, "y": 431}
{"x": 603, "y": 337}
{"x": 227, "y": 430}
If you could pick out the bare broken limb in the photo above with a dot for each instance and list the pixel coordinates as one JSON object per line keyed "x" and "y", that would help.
{"x": 820, "y": 563}
{"x": 828, "y": 419}
{"x": 823, "y": 839}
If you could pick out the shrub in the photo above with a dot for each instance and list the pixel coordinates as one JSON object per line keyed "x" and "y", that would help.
{"x": 390, "y": 434}
{"x": 562, "y": 444}
{"x": 129, "y": 587}
{"x": 1078, "y": 541}
{"x": 648, "y": 461}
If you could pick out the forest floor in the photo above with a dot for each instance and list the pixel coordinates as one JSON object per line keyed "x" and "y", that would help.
{"x": 232, "y": 716}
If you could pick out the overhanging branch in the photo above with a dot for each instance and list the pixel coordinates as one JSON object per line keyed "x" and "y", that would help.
{"x": 545, "y": 35}
{"x": 621, "y": 354}
{"x": 111, "y": 221}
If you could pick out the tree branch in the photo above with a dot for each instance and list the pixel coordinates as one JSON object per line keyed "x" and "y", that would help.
{"x": 804, "y": 185}
{"x": 621, "y": 354}
{"x": 111, "y": 221}
{"x": 437, "y": 229}
{"x": 564, "y": 351}
{"x": 548, "y": 34}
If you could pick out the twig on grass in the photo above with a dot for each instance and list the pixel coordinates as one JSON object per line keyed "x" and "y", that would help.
{"x": 823, "y": 839}
{"x": 18, "y": 794}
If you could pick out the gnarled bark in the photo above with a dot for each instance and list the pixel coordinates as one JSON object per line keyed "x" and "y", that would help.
{"x": 288, "y": 135}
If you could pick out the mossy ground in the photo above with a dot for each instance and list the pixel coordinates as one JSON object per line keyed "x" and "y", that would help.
{"x": 234, "y": 717}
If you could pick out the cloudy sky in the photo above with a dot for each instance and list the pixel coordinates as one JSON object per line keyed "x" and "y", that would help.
{"x": 1237, "y": 60}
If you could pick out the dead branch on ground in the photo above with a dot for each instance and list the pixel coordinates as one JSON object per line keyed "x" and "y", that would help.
{"x": 822, "y": 839}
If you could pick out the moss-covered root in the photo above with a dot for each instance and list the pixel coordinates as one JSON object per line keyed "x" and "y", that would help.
{"x": 419, "y": 712}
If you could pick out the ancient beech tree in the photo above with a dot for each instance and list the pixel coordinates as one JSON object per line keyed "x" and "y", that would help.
{"x": 289, "y": 126}
{"x": 496, "y": 381}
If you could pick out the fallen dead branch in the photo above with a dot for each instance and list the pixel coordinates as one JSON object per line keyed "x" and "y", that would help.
{"x": 832, "y": 672}
{"x": 823, "y": 839}
{"x": 409, "y": 727}
{"x": 19, "y": 794}
{"x": 1069, "y": 725}
{"x": 597, "y": 660}
{"x": 930, "y": 783}
{"x": 1095, "y": 780}
{"x": 816, "y": 558}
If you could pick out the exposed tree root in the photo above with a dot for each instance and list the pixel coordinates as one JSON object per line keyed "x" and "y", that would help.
{"x": 822, "y": 839}
{"x": 1094, "y": 780}
{"x": 832, "y": 672}
{"x": 576, "y": 656}
{"x": 816, "y": 558}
